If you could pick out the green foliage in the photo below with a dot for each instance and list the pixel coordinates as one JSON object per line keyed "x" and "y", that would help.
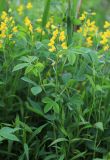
{"x": 53, "y": 105}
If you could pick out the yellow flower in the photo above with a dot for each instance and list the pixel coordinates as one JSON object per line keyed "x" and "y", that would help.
{"x": 62, "y": 36}
{"x": 27, "y": 21}
{"x": 82, "y": 18}
{"x": 106, "y": 48}
{"x": 55, "y": 33}
{"x": 79, "y": 30}
{"x": 3, "y": 26}
{"x": 10, "y": 18}
{"x": 3, "y": 35}
{"x": 20, "y": 9}
{"x": 64, "y": 45}
{"x": 85, "y": 12}
{"x": 53, "y": 26}
{"x": 14, "y": 29}
{"x": 48, "y": 25}
{"x": 51, "y": 43}
{"x": 30, "y": 28}
{"x": 39, "y": 30}
{"x": 52, "y": 49}
{"x": 6, "y": 19}
{"x": 29, "y": 5}
{"x": 104, "y": 41}
{"x": 88, "y": 22}
{"x": 39, "y": 20}
{"x": 89, "y": 41}
{"x": 107, "y": 33}
{"x": 107, "y": 24}
{"x": 93, "y": 29}
{"x": 4, "y": 15}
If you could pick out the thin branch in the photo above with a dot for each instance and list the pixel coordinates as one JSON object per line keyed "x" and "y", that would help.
{"x": 78, "y": 8}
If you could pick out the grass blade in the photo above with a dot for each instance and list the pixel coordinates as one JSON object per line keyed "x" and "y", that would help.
{"x": 46, "y": 12}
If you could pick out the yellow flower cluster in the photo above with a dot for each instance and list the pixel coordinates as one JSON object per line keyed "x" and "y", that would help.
{"x": 39, "y": 30}
{"x": 28, "y": 24}
{"x": 62, "y": 38}
{"x": 39, "y": 20}
{"x": 29, "y": 5}
{"x": 7, "y": 27}
{"x": 21, "y": 8}
{"x": 105, "y": 36}
{"x": 51, "y": 44}
{"x": 50, "y": 22}
{"x": 83, "y": 16}
{"x": 89, "y": 41}
{"x": 88, "y": 31}
{"x": 107, "y": 24}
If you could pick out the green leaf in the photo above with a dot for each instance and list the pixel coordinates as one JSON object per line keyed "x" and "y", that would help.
{"x": 29, "y": 69}
{"x": 36, "y": 90}
{"x": 28, "y": 59}
{"x": 39, "y": 45}
{"x": 26, "y": 79}
{"x": 1, "y": 82}
{"x": 50, "y": 104}
{"x": 25, "y": 126}
{"x": 26, "y": 150}
{"x": 99, "y": 125}
{"x": 58, "y": 141}
{"x": 76, "y": 101}
{"x": 50, "y": 157}
{"x": 81, "y": 154}
{"x": 66, "y": 77}
{"x": 47, "y": 100}
{"x": 56, "y": 107}
{"x": 20, "y": 66}
{"x": 47, "y": 108}
{"x": 8, "y": 130}
{"x": 61, "y": 157}
{"x": 39, "y": 66}
{"x": 34, "y": 107}
{"x": 36, "y": 132}
{"x": 71, "y": 57}
{"x": 91, "y": 81}
{"x": 6, "y": 133}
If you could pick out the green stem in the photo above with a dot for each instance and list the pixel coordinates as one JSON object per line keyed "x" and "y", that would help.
{"x": 69, "y": 23}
